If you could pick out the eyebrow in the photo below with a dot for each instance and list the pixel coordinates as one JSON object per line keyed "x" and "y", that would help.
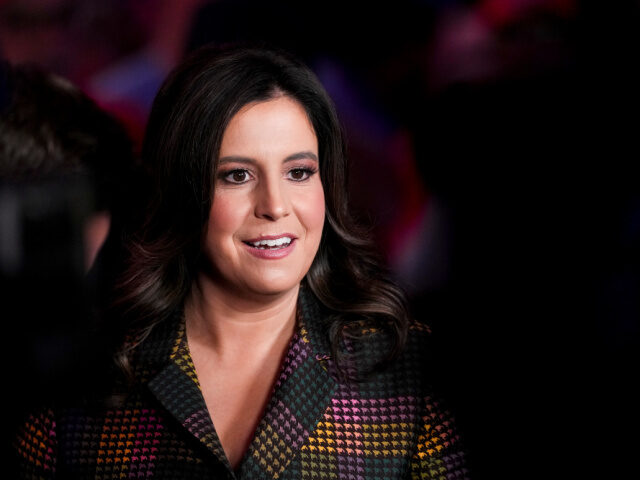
{"x": 290, "y": 158}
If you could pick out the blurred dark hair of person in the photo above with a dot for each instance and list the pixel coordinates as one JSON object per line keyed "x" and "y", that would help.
{"x": 53, "y": 134}
{"x": 63, "y": 164}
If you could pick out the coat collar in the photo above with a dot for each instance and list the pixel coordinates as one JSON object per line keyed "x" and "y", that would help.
{"x": 300, "y": 396}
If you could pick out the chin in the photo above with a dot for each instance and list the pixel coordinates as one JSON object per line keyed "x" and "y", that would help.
{"x": 273, "y": 286}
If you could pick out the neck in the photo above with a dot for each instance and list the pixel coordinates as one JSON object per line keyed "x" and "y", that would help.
{"x": 229, "y": 325}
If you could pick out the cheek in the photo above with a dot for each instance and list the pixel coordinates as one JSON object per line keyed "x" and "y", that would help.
{"x": 312, "y": 213}
{"x": 225, "y": 214}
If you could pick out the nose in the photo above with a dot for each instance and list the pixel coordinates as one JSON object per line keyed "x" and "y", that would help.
{"x": 272, "y": 202}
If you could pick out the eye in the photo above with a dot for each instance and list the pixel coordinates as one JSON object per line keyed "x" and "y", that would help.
{"x": 237, "y": 176}
{"x": 300, "y": 174}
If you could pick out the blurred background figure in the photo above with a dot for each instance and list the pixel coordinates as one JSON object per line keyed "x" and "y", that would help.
{"x": 63, "y": 174}
{"x": 51, "y": 133}
{"x": 492, "y": 144}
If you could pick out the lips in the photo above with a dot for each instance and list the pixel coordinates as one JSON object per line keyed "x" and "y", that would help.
{"x": 271, "y": 241}
{"x": 276, "y": 243}
{"x": 271, "y": 246}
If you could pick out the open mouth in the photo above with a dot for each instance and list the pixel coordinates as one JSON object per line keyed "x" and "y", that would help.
{"x": 271, "y": 244}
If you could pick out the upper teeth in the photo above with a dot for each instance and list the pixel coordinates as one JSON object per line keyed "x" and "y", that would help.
{"x": 272, "y": 243}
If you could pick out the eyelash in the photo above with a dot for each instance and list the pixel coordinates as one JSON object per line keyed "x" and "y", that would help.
{"x": 226, "y": 175}
{"x": 307, "y": 171}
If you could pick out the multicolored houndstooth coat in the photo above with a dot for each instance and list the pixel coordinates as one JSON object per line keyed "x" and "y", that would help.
{"x": 315, "y": 425}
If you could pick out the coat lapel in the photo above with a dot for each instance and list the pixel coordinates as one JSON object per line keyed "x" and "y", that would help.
{"x": 301, "y": 395}
{"x": 176, "y": 387}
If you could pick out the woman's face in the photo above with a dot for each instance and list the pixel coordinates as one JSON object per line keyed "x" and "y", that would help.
{"x": 268, "y": 209}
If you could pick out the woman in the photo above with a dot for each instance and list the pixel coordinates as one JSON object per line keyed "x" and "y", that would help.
{"x": 247, "y": 300}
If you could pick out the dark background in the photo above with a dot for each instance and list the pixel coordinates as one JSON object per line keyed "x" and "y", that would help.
{"x": 492, "y": 145}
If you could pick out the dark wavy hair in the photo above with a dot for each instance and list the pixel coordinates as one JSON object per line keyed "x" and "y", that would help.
{"x": 179, "y": 157}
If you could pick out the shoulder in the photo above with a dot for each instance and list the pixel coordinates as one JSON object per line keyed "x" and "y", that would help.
{"x": 411, "y": 359}
{"x": 73, "y": 441}
{"x": 439, "y": 450}
{"x": 36, "y": 445}
{"x": 409, "y": 398}
{"x": 396, "y": 414}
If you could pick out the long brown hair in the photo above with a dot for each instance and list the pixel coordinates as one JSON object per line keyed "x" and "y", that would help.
{"x": 162, "y": 240}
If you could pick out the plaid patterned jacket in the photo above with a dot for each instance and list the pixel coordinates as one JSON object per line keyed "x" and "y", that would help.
{"x": 315, "y": 426}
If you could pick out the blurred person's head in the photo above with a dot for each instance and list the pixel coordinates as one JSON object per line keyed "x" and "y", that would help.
{"x": 58, "y": 149}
